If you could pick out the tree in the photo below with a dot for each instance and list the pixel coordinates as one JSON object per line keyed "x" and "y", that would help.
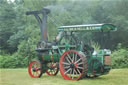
{"x": 7, "y": 19}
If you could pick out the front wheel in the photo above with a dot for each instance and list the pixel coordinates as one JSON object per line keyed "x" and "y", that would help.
{"x": 35, "y": 69}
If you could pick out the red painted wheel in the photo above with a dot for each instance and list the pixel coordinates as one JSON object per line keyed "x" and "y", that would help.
{"x": 52, "y": 69}
{"x": 73, "y": 65}
{"x": 34, "y": 69}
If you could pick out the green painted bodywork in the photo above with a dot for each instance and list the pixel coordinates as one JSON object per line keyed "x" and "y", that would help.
{"x": 56, "y": 51}
{"x": 99, "y": 56}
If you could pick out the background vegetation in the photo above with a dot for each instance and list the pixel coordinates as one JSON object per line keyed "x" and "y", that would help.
{"x": 19, "y": 33}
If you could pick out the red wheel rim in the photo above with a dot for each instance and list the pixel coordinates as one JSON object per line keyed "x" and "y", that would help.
{"x": 34, "y": 69}
{"x": 71, "y": 66}
{"x": 53, "y": 71}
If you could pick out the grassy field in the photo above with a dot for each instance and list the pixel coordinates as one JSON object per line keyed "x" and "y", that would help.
{"x": 21, "y": 77}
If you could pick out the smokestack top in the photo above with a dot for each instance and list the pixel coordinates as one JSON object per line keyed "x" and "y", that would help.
{"x": 46, "y": 10}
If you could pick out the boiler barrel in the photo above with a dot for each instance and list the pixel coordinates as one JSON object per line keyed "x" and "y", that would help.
{"x": 49, "y": 58}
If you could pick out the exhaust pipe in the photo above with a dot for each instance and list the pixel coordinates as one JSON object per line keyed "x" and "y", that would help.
{"x": 42, "y": 21}
{"x": 44, "y": 36}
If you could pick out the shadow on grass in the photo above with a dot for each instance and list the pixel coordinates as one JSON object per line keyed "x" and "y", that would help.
{"x": 97, "y": 78}
{"x": 55, "y": 77}
{"x": 58, "y": 77}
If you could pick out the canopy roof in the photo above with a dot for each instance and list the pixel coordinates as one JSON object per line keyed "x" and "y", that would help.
{"x": 89, "y": 27}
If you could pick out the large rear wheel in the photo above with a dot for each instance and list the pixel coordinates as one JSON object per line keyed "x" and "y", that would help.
{"x": 35, "y": 69}
{"x": 73, "y": 65}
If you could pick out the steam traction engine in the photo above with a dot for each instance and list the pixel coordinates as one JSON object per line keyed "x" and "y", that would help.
{"x": 67, "y": 54}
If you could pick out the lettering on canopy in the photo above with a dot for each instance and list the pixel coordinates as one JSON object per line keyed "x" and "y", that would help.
{"x": 81, "y": 28}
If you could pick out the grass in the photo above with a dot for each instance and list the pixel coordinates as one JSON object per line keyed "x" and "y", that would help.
{"x": 21, "y": 77}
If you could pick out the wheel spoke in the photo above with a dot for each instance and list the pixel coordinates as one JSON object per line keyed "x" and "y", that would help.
{"x": 78, "y": 71}
{"x": 67, "y": 71}
{"x": 77, "y": 61}
{"x": 80, "y": 67}
{"x": 52, "y": 72}
{"x": 75, "y": 71}
{"x": 73, "y": 74}
{"x": 67, "y": 67}
{"x": 73, "y": 58}
{"x": 69, "y": 57}
{"x": 68, "y": 60}
{"x": 66, "y": 63}
{"x": 70, "y": 72}
{"x": 34, "y": 73}
{"x": 37, "y": 73}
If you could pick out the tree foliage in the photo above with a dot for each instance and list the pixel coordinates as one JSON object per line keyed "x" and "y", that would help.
{"x": 19, "y": 33}
{"x": 120, "y": 58}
